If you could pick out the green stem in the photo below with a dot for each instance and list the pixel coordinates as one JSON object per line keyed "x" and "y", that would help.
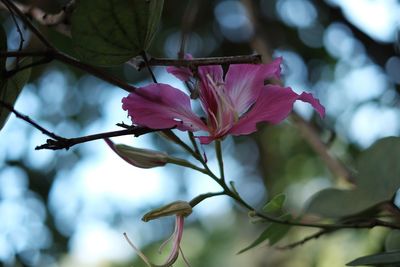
{"x": 185, "y": 163}
{"x": 218, "y": 152}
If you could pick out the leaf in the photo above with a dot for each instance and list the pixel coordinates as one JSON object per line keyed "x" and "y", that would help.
{"x": 377, "y": 259}
{"x": 12, "y": 87}
{"x": 336, "y": 203}
{"x": 378, "y": 179}
{"x": 273, "y": 233}
{"x": 379, "y": 169}
{"x": 275, "y": 204}
{"x": 110, "y": 32}
{"x": 392, "y": 241}
{"x": 3, "y": 47}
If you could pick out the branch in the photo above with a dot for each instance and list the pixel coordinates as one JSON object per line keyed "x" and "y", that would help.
{"x": 9, "y": 4}
{"x": 57, "y": 142}
{"x": 303, "y": 241}
{"x": 66, "y": 143}
{"x": 194, "y": 63}
{"x": 53, "y": 54}
{"x": 30, "y": 121}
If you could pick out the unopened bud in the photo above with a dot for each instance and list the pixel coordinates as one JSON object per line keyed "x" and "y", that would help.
{"x": 179, "y": 208}
{"x": 142, "y": 158}
{"x": 139, "y": 157}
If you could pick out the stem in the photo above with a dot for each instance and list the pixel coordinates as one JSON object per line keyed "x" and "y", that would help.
{"x": 193, "y": 63}
{"x": 218, "y": 152}
{"x": 146, "y": 61}
{"x": 66, "y": 143}
{"x": 194, "y": 143}
{"x": 202, "y": 197}
{"x": 31, "y": 122}
{"x": 27, "y": 22}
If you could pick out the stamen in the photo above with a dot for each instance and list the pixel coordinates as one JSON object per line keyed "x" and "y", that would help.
{"x": 140, "y": 254}
{"x": 184, "y": 258}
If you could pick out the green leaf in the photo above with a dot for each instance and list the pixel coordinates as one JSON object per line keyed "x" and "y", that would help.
{"x": 275, "y": 204}
{"x": 336, "y": 203}
{"x": 12, "y": 87}
{"x": 273, "y": 233}
{"x": 377, "y": 259}
{"x": 3, "y": 47}
{"x": 378, "y": 179}
{"x": 392, "y": 241}
{"x": 110, "y": 32}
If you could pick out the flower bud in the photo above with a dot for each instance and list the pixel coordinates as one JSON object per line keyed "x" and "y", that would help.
{"x": 179, "y": 208}
{"x": 139, "y": 157}
{"x": 142, "y": 158}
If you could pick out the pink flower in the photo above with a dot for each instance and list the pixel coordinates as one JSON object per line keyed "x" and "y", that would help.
{"x": 233, "y": 104}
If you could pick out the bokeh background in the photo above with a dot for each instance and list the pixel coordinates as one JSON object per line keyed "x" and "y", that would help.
{"x": 70, "y": 208}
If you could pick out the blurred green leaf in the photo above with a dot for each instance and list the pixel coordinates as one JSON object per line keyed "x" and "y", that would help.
{"x": 110, "y": 32}
{"x": 273, "y": 233}
{"x": 377, "y": 259}
{"x": 275, "y": 204}
{"x": 378, "y": 179}
{"x": 392, "y": 241}
{"x": 12, "y": 87}
{"x": 3, "y": 47}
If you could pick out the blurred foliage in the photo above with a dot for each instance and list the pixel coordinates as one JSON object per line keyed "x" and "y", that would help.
{"x": 32, "y": 233}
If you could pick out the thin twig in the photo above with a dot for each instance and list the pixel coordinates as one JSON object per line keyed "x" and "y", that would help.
{"x": 21, "y": 36}
{"x": 39, "y": 62}
{"x": 30, "y": 121}
{"x": 27, "y": 22}
{"x": 305, "y": 240}
{"x": 67, "y": 143}
{"x": 146, "y": 61}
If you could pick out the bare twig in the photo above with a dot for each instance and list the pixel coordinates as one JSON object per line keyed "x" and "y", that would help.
{"x": 30, "y": 121}
{"x": 305, "y": 240}
{"x": 27, "y": 22}
{"x": 66, "y": 143}
{"x": 21, "y": 36}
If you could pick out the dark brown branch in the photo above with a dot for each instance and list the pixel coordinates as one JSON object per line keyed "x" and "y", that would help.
{"x": 66, "y": 143}
{"x": 30, "y": 121}
{"x": 193, "y": 63}
{"x": 52, "y": 54}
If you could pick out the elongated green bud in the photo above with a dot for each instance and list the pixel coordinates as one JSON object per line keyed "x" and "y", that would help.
{"x": 139, "y": 157}
{"x": 180, "y": 208}
{"x": 142, "y": 158}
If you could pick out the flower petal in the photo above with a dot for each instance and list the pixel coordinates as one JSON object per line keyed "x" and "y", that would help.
{"x": 159, "y": 106}
{"x": 273, "y": 105}
{"x": 244, "y": 82}
{"x": 182, "y": 73}
{"x": 216, "y": 104}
